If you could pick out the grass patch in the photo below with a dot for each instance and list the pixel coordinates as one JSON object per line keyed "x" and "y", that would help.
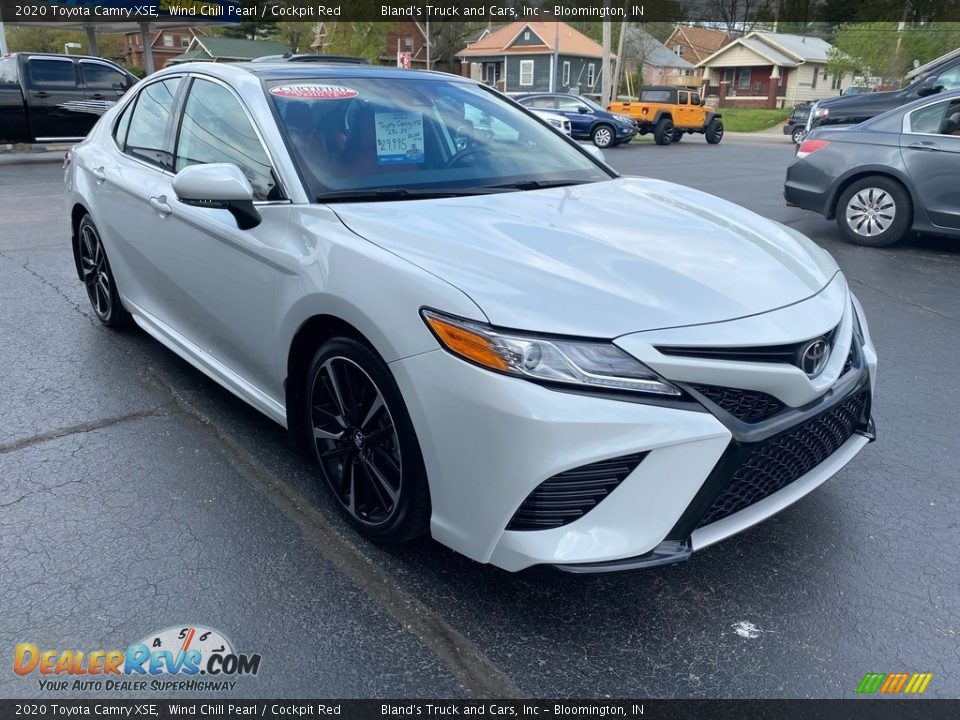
{"x": 744, "y": 120}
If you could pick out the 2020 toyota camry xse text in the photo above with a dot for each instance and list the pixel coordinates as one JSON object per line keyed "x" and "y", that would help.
{"x": 477, "y": 328}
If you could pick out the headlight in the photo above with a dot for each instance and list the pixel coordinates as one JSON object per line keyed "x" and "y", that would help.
{"x": 821, "y": 112}
{"x": 582, "y": 363}
{"x": 557, "y": 124}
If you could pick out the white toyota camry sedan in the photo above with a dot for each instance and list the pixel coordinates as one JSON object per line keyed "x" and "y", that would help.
{"x": 477, "y": 329}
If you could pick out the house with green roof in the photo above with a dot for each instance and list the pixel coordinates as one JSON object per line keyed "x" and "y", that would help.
{"x": 219, "y": 49}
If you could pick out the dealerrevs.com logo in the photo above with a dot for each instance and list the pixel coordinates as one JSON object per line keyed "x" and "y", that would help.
{"x": 189, "y": 658}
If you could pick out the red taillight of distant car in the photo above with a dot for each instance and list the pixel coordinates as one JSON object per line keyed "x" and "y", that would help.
{"x": 811, "y": 146}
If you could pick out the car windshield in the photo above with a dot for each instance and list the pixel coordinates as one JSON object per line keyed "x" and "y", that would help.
{"x": 407, "y": 137}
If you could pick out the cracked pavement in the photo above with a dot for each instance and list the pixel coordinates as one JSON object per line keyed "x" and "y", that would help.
{"x": 136, "y": 495}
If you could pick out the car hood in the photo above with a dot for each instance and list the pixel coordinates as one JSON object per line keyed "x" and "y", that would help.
{"x": 602, "y": 259}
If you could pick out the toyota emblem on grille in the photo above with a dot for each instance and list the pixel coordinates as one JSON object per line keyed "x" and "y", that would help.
{"x": 814, "y": 357}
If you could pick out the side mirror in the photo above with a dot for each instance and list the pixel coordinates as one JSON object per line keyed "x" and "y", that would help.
{"x": 582, "y": 109}
{"x": 703, "y": 101}
{"x": 218, "y": 185}
{"x": 929, "y": 86}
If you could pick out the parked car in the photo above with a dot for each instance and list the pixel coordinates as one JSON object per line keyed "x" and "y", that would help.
{"x": 558, "y": 121}
{"x": 796, "y": 125}
{"x": 670, "y": 113}
{"x": 45, "y": 97}
{"x": 850, "y": 109}
{"x": 588, "y": 121}
{"x": 498, "y": 341}
{"x": 857, "y": 90}
{"x": 884, "y": 177}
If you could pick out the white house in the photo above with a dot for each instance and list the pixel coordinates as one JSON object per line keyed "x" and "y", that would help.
{"x": 769, "y": 70}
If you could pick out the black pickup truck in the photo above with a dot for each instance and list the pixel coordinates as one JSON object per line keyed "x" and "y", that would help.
{"x": 46, "y": 97}
{"x": 940, "y": 75}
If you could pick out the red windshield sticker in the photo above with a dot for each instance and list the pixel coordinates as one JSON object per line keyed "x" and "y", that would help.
{"x": 314, "y": 92}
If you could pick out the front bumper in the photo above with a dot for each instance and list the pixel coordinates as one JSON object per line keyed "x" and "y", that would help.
{"x": 489, "y": 441}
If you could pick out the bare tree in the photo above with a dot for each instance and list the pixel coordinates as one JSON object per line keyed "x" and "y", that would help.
{"x": 737, "y": 15}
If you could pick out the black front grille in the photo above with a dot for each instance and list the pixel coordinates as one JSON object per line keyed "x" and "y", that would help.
{"x": 570, "y": 495}
{"x": 773, "y": 464}
{"x": 746, "y": 405}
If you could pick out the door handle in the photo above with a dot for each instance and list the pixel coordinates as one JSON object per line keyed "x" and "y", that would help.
{"x": 924, "y": 145}
{"x": 160, "y": 205}
{"x": 41, "y": 94}
{"x": 100, "y": 174}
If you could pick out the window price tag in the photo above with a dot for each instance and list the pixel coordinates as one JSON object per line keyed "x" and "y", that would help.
{"x": 399, "y": 137}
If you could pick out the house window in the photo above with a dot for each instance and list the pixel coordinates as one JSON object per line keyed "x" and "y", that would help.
{"x": 526, "y": 73}
{"x": 566, "y": 73}
{"x": 813, "y": 83}
{"x": 744, "y": 77}
{"x": 728, "y": 75}
{"x": 168, "y": 41}
{"x": 837, "y": 81}
{"x": 408, "y": 43}
{"x": 678, "y": 49}
{"x": 526, "y": 34}
{"x": 590, "y": 75}
{"x": 184, "y": 42}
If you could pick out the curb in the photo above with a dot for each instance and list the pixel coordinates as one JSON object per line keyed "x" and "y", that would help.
{"x": 31, "y": 158}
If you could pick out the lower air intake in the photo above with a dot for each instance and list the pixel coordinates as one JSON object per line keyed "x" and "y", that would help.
{"x": 773, "y": 464}
{"x": 572, "y": 494}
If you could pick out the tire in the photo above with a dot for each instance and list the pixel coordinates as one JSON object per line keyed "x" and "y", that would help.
{"x": 362, "y": 438}
{"x": 677, "y": 136}
{"x": 663, "y": 132}
{"x": 874, "y": 211}
{"x": 98, "y": 277}
{"x": 798, "y": 134}
{"x": 714, "y": 132}
{"x": 603, "y": 136}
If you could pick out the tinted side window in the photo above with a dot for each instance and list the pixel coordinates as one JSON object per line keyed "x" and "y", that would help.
{"x": 661, "y": 96}
{"x": 544, "y": 103}
{"x": 928, "y": 119}
{"x": 682, "y": 98}
{"x": 215, "y": 129}
{"x": 102, "y": 77}
{"x": 148, "y": 124}
{"x": 52, "y": 74}
{"x": 570, "y": 104}
{"x": 695, "y": 99}
{"x": 949, "y": 79}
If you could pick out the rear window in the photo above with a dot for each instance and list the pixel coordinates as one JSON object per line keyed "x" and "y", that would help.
{"x": 662, "y": 96}
{"x": 52, "y": 74}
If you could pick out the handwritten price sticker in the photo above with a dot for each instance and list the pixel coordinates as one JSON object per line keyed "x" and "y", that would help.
{"x": 399, "y": 137}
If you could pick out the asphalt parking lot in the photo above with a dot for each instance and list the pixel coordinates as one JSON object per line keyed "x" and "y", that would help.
{"x": 137, "y": 495}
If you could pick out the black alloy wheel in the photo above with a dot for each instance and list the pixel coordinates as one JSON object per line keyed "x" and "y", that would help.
{"x": 364, "y": 442}
{"x": 97, "y": 276}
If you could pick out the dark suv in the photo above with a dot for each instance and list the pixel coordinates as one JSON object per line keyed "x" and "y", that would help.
{"x": 851, "y": 109}
{"x": 796, "y": 125}
{"x": 588, "y": 121}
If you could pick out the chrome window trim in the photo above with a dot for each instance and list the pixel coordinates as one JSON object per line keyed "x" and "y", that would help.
{"x": 56, "y": 58}
{"x": 256, "y": 128}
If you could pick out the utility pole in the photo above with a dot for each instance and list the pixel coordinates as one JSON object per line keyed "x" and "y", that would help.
{"x": 428, "y": 44}
{"x": 3, "y": 40}
{"x": 618, "y": 74}
{"x": 605, "y": 64}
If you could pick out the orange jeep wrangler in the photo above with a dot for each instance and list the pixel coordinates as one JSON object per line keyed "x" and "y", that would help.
{"x": 670, "y": 113}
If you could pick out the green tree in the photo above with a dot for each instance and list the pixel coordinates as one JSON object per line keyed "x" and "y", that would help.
{"x": 360, "y": 39}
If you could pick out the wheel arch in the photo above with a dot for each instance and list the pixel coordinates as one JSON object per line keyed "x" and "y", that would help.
{"x": 662, "y": 114}
{"x": 830, "y": 210}
{"x": 711, "y": 116}
{"x": 76, "y": 214}
{"x": 311, "y": 334}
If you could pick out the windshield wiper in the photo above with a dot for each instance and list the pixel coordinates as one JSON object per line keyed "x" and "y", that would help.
{"x": 540, "y": 184}
{"x": 401, "y": 193}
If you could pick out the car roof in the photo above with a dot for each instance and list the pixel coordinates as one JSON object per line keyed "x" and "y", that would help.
{"x": 661, "y": 87}
{"x": 29, "y": 54}
{"x": 284, "y": 70}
